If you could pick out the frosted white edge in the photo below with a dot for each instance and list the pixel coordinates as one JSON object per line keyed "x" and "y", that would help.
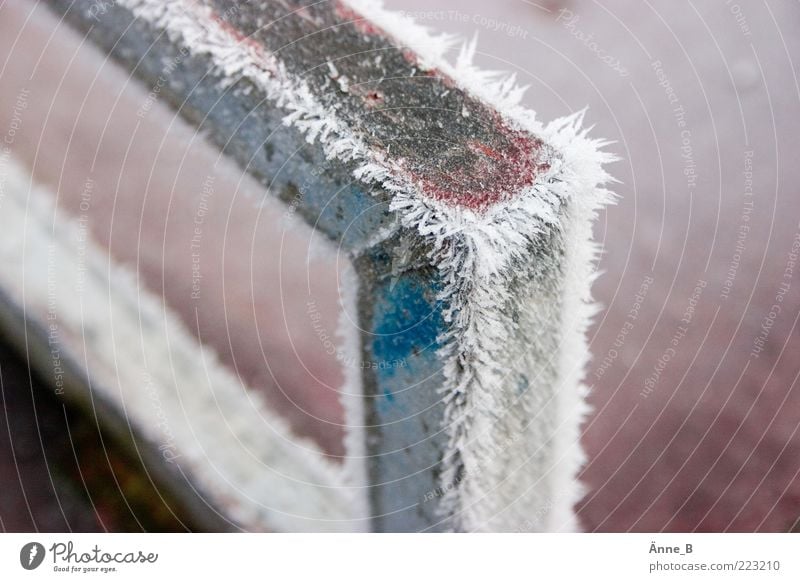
{"x": 174, "y": 392}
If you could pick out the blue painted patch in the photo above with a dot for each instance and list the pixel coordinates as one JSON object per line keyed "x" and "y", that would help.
{"x": 408, "y": 407}
{"x": 407, "y": 321}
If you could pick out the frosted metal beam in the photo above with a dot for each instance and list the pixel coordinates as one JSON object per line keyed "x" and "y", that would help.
{"x": 468, "y": 222}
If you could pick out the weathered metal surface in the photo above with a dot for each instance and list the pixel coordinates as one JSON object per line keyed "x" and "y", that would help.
{"x": 456, "y": 148}
{"x": 451, "y": 146}
{"x": 240, "y": 121}
{"x": 401, "y": 319}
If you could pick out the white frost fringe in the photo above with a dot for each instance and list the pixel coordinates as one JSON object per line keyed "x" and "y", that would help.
{"x": 475, "y": 253}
